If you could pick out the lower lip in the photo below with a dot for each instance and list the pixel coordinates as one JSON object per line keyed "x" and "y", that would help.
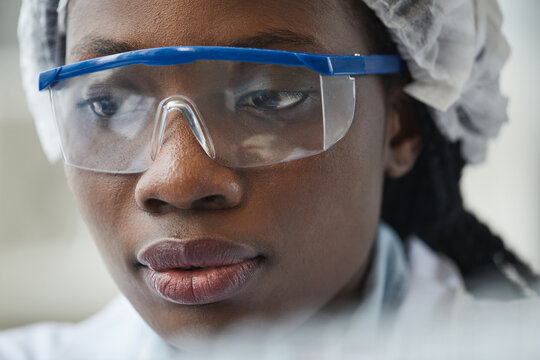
{"x": 202, "y": 286}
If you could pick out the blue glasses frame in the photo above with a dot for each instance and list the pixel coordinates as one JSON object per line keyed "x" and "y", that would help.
{"x": 323, "y": 64}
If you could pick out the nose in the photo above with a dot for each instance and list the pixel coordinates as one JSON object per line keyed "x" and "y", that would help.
{"x": 182, "y": 176}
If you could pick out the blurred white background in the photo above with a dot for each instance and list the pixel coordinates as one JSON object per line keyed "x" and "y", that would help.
{"x": 50, "y": 269}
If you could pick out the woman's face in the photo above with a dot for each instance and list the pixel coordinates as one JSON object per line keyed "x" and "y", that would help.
{"x": 305, "y": 227}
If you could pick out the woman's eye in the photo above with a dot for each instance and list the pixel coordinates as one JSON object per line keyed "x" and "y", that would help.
{"x": 104, "y": 107}
{"x": 271, "y": 99}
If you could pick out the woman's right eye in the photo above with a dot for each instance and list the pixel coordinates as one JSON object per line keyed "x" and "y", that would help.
{"x": 104, "y": 107}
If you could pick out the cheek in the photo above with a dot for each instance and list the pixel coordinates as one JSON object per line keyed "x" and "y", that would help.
{"x": 323, "y": 211}
{"x": 105, "y": 202}
{"x": 343, "y": 186}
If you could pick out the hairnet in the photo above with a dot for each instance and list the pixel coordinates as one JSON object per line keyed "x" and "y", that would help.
{"x": 454, "y": 51}
{"x": 41, "y": 45}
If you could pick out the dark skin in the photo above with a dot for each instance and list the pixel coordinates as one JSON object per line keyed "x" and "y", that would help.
{"x": 312, "y": 220}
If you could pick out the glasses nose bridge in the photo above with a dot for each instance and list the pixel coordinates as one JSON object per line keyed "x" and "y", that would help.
{"x": 188, "y": 110}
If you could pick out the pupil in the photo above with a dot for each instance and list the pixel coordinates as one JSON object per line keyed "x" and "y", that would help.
{"x": 106, "y": 107}
{"x": 267, "y": 100}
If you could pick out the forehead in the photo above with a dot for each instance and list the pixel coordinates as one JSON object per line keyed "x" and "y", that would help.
{"x": 300, "y": 25}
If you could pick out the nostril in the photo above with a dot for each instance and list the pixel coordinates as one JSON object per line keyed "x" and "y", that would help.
{"x": 154, "y": 205}
{"x": 212, "y": 198}
{"x": 210, "y": 202}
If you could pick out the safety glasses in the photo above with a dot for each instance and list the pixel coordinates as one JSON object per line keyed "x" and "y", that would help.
{"x": 246, "y": 107}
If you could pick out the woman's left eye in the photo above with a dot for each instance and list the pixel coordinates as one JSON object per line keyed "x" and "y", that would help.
{"x": 271, "y": 99}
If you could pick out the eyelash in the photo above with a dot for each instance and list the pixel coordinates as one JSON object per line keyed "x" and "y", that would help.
{"x": 250, "y": 100}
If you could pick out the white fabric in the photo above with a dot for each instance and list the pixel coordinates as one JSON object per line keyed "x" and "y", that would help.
{"x": 114, "y": 333}
{"x": 454, "y": 50}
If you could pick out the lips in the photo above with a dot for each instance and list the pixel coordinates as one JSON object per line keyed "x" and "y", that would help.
{"x": 200, "y": 271}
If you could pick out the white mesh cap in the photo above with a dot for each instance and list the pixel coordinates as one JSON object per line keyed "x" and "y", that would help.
{"x": 40, "y": 41}
{"x": 454, "y": 50}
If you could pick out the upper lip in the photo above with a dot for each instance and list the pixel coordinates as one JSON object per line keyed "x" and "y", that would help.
{"x": 167, "y": 254}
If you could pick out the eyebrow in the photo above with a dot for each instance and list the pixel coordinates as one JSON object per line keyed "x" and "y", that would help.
{"x": 274, "y": 37}
{"x": 91, "y": 47}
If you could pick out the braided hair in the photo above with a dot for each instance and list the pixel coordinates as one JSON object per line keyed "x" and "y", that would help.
{"x": 427, "y": 201}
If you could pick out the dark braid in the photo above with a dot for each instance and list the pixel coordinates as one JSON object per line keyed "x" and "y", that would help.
{"x": 427, "y": 201}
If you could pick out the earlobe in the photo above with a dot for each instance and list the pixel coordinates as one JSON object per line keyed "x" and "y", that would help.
{"x": 403, "y": 140}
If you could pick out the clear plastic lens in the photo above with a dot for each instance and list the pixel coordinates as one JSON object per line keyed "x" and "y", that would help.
{"x": 242, "y": 114}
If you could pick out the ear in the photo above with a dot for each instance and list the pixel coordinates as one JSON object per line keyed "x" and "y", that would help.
{"x": 403, "y": 141}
